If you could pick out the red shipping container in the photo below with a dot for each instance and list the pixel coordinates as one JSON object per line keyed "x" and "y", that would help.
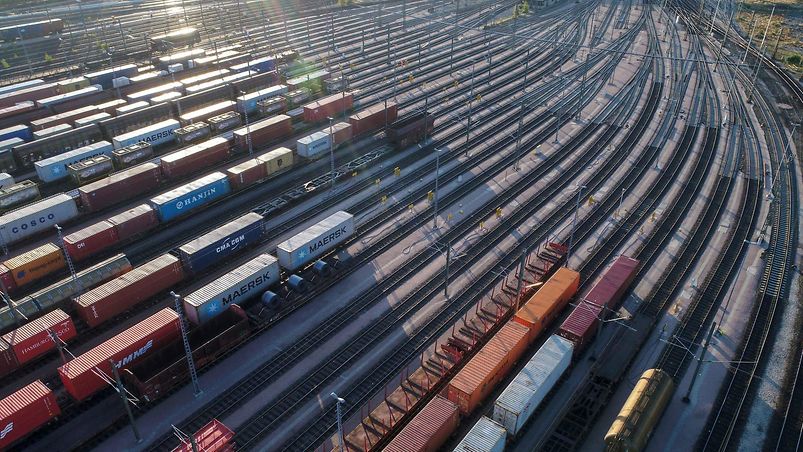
{"x": 64, "y": 118}
{"x": 429, "y": 429}
{"x": 195, "y": 158}
{"x": 489, "y": 366}
{"x": 8, "y": 363}
{"x": 212, "y": 437}
{"x": 263, "y": 132}
{"x": 126, "y": 348}
{"x": 33, "y": 339}
{"x": 120, "y": 294}
{"x": 134, "y": 221}
{"x": 25, "y": 411}
{"x": 7, "y": 279}
{"x": 120, "y": 186}
{"x": 246, "y": 173}
{"x": 32, "y": 93}
{"x": 329, "y": 106}
{"x": 609, "y": 289}
{"x": 90, "y": 240}
{"x": 373, "y": 118}
{"x": 581, "y": 325}
{"x": 20, "y": 108}
{"x": 341, "y": 132}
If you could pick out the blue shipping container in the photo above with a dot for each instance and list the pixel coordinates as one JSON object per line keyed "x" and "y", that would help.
{"x": 263, "y": 64}
{"x": 105, "y": 77}
{"x": 188, "y": 197}
{"x": 221, "y": 243}
{"x": 21, "y": 131}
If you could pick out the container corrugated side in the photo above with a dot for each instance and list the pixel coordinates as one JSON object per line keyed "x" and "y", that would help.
{"x": 90, "y": 240}
{"x": 514, "y": 407}
{"x": 246, "y": 281}
{"x": 55, "y": 168}
{"x": 610, "y": 288}
{"x": 192, "y": 195}
{"x": 120, "y": 186}
{"x": 37, "y": 217}
{"x": 126, "y": 348}
{"x": 33, "y": 339}
{"x": 277, "y": 160}
{"x": 316, "y": 240}
{"x": 429, "y": 429}
{"x": 35, "y": 264}
{"x": 485, "y": 436}
{"x": 221, "y": 243}
{"x": 25, "y": 411}
{"x": 539, "y": 311}
{"x": 136, "y": 220}
{"x": 154, "y": 134}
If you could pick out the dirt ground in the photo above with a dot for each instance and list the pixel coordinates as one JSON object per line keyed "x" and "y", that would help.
{"x": 787, "y": 22}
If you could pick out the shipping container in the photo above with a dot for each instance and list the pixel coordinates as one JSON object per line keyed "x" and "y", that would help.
{"x": 7, "y": 162}
{"x": 547, "y": 303}
{"x": 73, "y": 84}
{"x": 429, "y": 430}
{"x": 90, "y": 169}
{"x": 136, "y": 120}
{"x": 18, "y": 109}
{"x": 271, "y": 106}
{"x": 246, "y": 173}
{"x": 18, "y": 193}
{"x": 52, "y": 101}
{"x": 155, "y": 134}
{"x": 134, "y": 106}
{"x": 8, "y": 363}
{"x": 31, "y": 30}
{"x": 224, "y": 122}
{"x": 35, "y": 264}
{"x": 128, "y": 290}
{"x": 335, "y": 85}
{"x": 221, "y": 243}
{"x": 186, "y": 36}
{"x": 296, "y": 115}
{"x": 373, "y": 118}
{"x": 68, "y": 117}
{"x": 204, "y": 76}
{"x": 203, "y": 98}
{"x": 31, "y": 93}
{"x": 247, "y": 103}
{"x": 25, "y": 411}
{"x": 183, "y": 57}
{"x": 195, "y": 158}
{"x": 21, "y": 131}
{"x": 88, "y": 98}
{"x": 212, "y": 437}
{"x": 21, "y": 85}
{"x": 204, "y": 113}
{"x": 318, "y": 143}
{"x": 277, "y": 160}
{"x": 90, "y": 240}
{"x": 92, "y": 119}
{"x": 192, "y": 132}
{"x": 264, "y": 64}
{"x": 111, "y": 106}
{"x": 328, "y": 107}
{"x": 79, "y": 375}
{"x": 120, "y": 186}
{"x": 248, "y": 280}
{"x": 63, "y": 290}
{"x": 314, "y": 81}
{"x": 6, "y": 180}
{"x": 120, "y": 82}
{"x": 134, "y": 221}
{"x": 154, "y": 91}
{"x": 55, "y": 168}
{"x": 169, "y": 96}
{"x": 216, "y": 59}
{"x": 39, "y": 134}
{"x": 132, "y": 154}
{"x": 488, "y": 367}
{"x": 104, "y": 77}
{"x": 190, "y": 196}
{"x": 156, "y": 375}
{"x": 408, "y": 131}
{"x": 28, "y": 153}
{"x": 33, "y": 339}
{"x": 147, "y": 79}
{"x": 36, "y": 218}
{"x": 298, "y": 97}
{"x": 517, "y": 403}
{"x": 315, "y": 241}
{"x": 485, "y": 436}
{"x": 263, "y": 132}
{"x": 253, "y": 81}
{"x": 6, "y": 279}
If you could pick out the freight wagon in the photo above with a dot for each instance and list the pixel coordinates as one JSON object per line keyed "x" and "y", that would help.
{"x": 204, "y": 113}
{"x": 105, "y": 77}
{"x": 17, "y": 194}
{"x": 156, "y": 375}
{"x": 32, "y": 340}
{"x": 64, "y": 118}
{"x": 90, "y": 169}
{"x": 70, "y": 96}
{"x": 55, "y": 168}
{"x": 154, "y": 134}
{"x": 31, "y": 30}
{"x": 193, "y": 132}
{"x": 224, "y": 122}
{"x": 39, "y": 134}
{"x": 179, "y": 38}
{"x": 429, "y": 429}
{"x": 315, "y": 241}
{"x": 179, "y": 58}
{"x": 21, "y": 85}
{"x": 212, "y": 437}
{"x": 36, "y": 218}
{"x": 31, "y": 93}
{"x": 26, "y": 154}
{"x": 264, "y": 64}
{"x": 410, "y": 130}
{"x": 25, "y": 411}
{"x": 641, "y": 412}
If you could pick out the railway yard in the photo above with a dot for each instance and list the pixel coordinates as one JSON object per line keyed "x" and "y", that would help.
{"x": 402, "y": 225}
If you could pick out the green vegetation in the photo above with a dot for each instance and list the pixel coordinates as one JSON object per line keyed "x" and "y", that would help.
{"x": 793, "y": 60}
{"x": 785, "y": 32}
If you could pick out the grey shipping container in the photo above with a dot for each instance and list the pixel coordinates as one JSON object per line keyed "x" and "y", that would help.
{"x": 221, "y": 243}
{"x": 18, "y": 193}
{"x": 485, "y": 436}
{"x": 132, "y": 154}
{"x": 316, "y": 240}
{"x": 90, "y": 169}
{"x": 38, "y": 217}
{"x": 246, "y": 281}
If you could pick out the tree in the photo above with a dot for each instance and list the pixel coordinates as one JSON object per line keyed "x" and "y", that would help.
{"x": 793, "y": 60}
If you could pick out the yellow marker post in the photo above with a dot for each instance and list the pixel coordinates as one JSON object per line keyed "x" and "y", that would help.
{"x": 498, "y": 212}
{"x": 384, "y": 199}
{"x": 430, "y": 196}
{"x": 397, "y": 171}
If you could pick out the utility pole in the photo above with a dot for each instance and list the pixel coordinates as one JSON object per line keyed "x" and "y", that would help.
{"x": 59, "y": 346}
{"x": 522, "y": 264}
{"x": 686, "y": 398}
{"x": 121, "y": 390}
{"x": 518, "y": 134}
{"x": 750, "y": 34}
{"x": 777, "y": 41}
{"x": 435, "y": 197}
{"x": 340, "y": 436}
{"x": 182, "y": 321}
{"x": 332, "y": 154}
{"x": 574, "y": 223}
{"x": 446, "y": 277}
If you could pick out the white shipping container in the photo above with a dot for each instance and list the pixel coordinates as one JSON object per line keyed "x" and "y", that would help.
{"x": 37, "y": 217}
{"x": 248, "y": 102}
{"x": 175, "y": 67}
{"x": 39, "y": 134}
{"x": 154, "y": 91}
{"x": 530, "y": 386}
{"x": 313, "y": 145}
{"x": 485, "y": 436}
{"x": 246, "y": 281}
{"x": 316, "y": 240}
{"x": 120, "y": 82}
{"x": 154, "y": 134}
{"x": 21, "y": 85}
{"x": 6, "y": 180}
{"x": 165, "y": 97}
{"x": 139, "y": 105}
{"x": 54, "y": 168}
{"x": 93, "y": 119}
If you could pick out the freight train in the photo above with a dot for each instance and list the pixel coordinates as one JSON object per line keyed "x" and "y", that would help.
{"x": 31, "y": 30}
{"x": 466, "y": 391}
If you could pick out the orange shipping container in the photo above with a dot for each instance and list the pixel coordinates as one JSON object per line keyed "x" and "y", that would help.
{"x": 490, "y": 365}
{"x": 429, "y": 429}
{"x": 539, "y": 311}
{"x": 35, "y": 264}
